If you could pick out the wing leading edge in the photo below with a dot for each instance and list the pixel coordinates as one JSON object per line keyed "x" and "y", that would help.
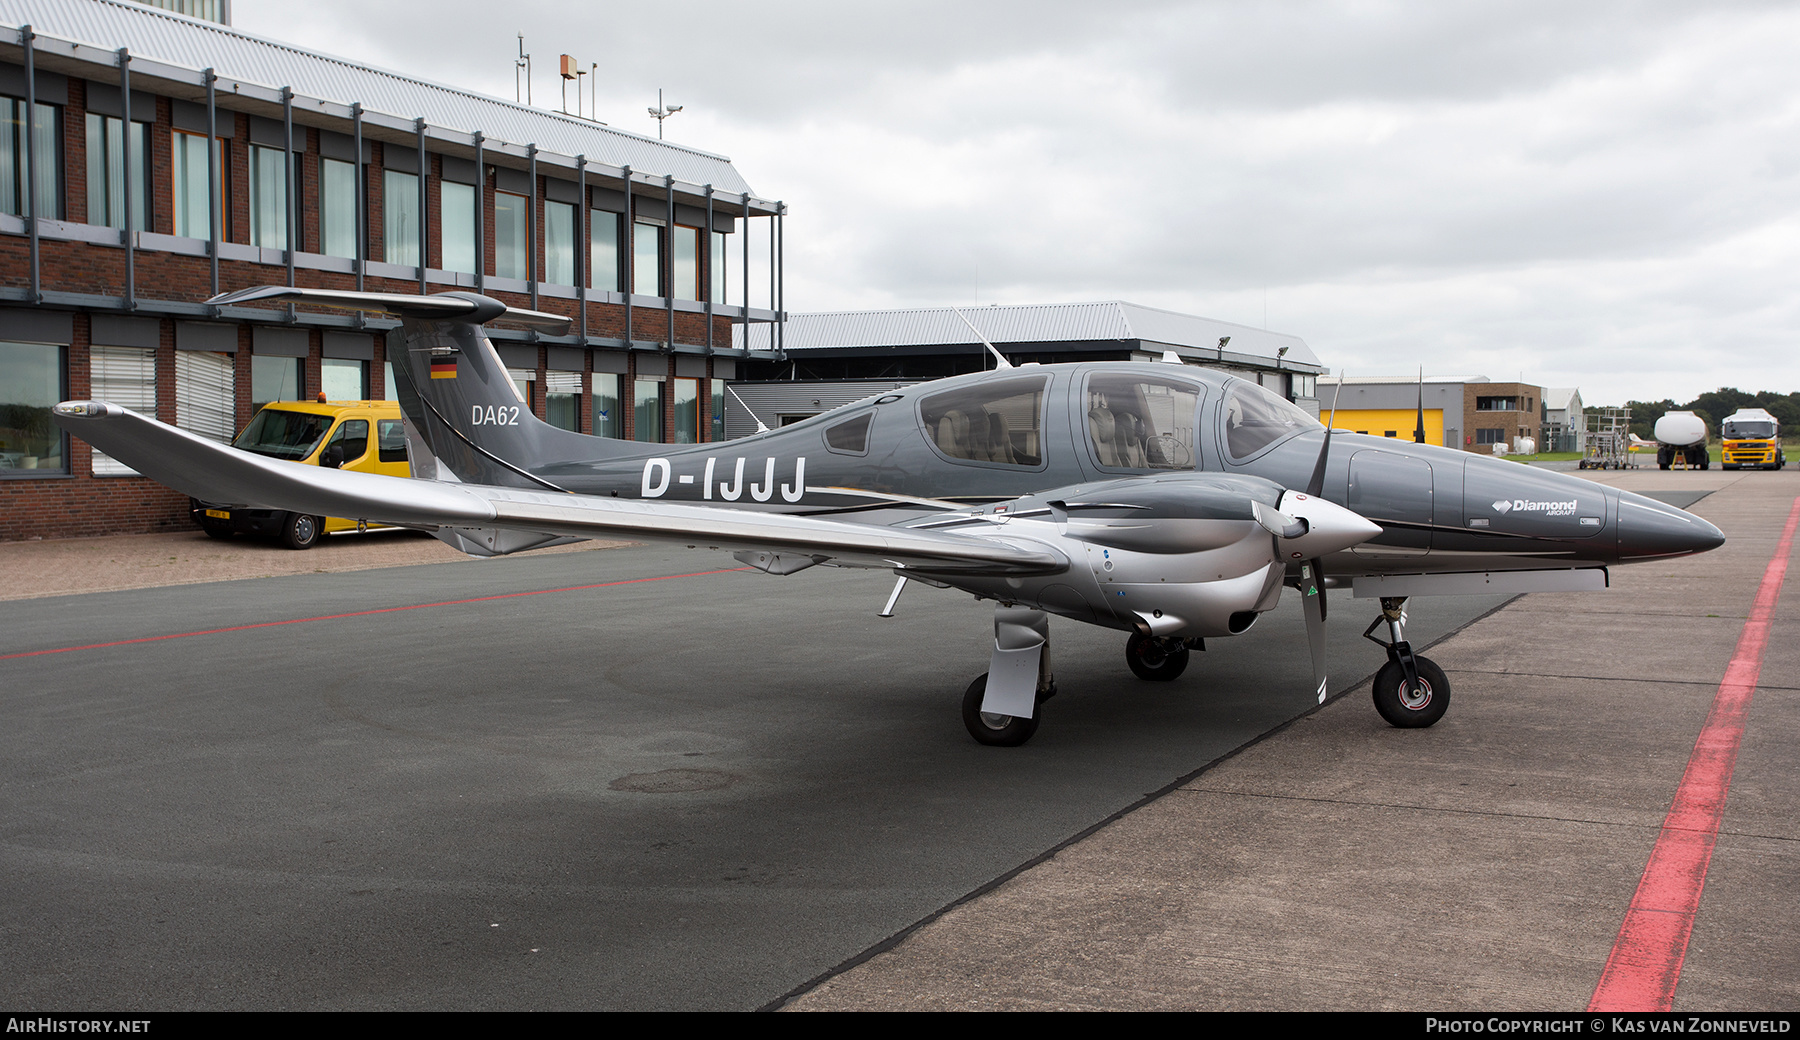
{"x": 219, "y": 473}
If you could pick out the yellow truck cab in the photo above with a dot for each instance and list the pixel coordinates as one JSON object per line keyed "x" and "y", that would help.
{"x": 365, "y": 436}
{"x": 1751, "y": 437}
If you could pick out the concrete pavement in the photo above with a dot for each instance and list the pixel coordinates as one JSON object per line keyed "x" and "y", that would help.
{"x": 1485, "y": 863}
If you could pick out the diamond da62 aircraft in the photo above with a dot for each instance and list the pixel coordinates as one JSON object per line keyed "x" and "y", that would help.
{"x": 1169, "y": 502}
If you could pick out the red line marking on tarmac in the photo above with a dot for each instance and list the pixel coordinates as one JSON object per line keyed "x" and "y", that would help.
{"x": 1645, "y": 964}
{"x": 365, "y": 613}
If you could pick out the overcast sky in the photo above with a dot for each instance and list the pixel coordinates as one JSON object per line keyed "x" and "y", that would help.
{"x": 1604, "y": 195}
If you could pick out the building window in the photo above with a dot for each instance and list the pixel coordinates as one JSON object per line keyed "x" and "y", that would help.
{"x": 603, "y": 250}
{"x": 716, "y": 264}
{"x": 400, "y": 217}
{"x": 106, "y": 172}
{"x": 344, "y": 379}
{"x": 646, "y": 408}
{"x": 273, "y": 379}
{"x": 389, "y": 391}
{"x": 1490, "y": 436}
{"x": 456, "y": 216}
{"x": 512, "y": 236}
{"x": 31, "y": 383}
{"x": 522, "y": 380}
{"x": 687, "y": 263}
{"x": 646, "y": 259}
{"x": 268, "y": 197}
{"x": 684, "y": 410}
{"x": 205, "y": 394}
{"x": 1496, "y": 404}
{"x": 193, "y": 214}
{"x": 337, "y": 209}
{"x": 562, "y": 400}
{"x": 127, "y": 376}
{"x": 559, "y": 243}
{"x": 609, "y": 420}
{"x": 718, "y": 409}
{"x": 47, "y": 141}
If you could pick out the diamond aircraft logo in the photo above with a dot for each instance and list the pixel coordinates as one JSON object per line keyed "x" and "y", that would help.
{"x": 1526, "y": 505}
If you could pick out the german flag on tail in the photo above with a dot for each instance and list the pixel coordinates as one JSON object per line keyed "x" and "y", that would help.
{"x": 443, "y": 366}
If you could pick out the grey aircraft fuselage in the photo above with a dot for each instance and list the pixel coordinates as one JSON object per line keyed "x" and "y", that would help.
{"x": 878, "y": 461}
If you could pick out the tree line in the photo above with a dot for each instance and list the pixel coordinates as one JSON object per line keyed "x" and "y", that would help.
{"x": 1714, "y": 406}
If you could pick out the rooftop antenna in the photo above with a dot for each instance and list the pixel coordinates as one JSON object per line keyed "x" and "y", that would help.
{"x": 662, "y": 112}
{"x": 522, "y": 64}
{"x": 579, "y": 73}
{"x": 594, "y": 91}
{"x": 999, "y": 358}
{"x": 569, "y": 69}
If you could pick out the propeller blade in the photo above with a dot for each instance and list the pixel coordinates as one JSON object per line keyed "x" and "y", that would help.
{"x": 1419, "y": 430}
{"x": 1316, "y": 486}
{"x": 1312, "y": 602}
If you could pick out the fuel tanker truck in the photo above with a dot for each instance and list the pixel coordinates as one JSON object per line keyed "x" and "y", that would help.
{"x": 1681, "y": 437}
{"x": 1750, "y": 437}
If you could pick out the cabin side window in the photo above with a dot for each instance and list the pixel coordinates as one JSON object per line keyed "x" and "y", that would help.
{"x": 1135, "y": 422}
{"x": 997, "y": 420}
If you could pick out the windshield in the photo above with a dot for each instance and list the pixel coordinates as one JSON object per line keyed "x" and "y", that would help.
{"x": 1256, "y": 418}
{"x": 1740, "y": 430}
{"x": 282, "y": 434}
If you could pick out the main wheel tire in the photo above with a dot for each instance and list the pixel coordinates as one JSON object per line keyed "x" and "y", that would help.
{"x": 1412, "y": 709}
{"x": 995, "y": 730}
{"x": 1150, "y": 658}
{"x": 301, "y": 531}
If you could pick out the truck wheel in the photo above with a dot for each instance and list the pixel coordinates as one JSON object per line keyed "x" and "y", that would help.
{"x": 301, "y": 531}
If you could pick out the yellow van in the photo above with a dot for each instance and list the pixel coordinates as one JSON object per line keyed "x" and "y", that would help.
{"x": 365, "y": 436}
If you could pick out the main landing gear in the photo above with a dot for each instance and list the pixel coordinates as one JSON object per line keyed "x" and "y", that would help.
{"x": 1000, "y": 708}
{"x": 1410, "y": 691}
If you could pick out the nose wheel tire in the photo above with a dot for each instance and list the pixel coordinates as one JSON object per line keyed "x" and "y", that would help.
{"x": 1156, "y": 659}
{"x": 301, "y": 531}
{"x": 1415, "y": 707}
{"x": 996, "y": 730}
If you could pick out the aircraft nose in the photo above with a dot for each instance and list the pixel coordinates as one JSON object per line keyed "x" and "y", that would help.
{"x": 1651, "y": 528}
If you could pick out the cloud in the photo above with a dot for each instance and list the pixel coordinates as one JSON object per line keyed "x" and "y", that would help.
{"x": 1599, "y": 194}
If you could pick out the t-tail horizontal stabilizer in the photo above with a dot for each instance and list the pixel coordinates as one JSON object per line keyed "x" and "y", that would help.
{"x": 466, "y": 418}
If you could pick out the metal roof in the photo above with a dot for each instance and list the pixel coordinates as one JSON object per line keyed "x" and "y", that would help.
{"x": 1397, "y": 380}
{"x": 1562, "y": 398}
{"x": 178, "y": 40}
{"x": 1107, "y": 321}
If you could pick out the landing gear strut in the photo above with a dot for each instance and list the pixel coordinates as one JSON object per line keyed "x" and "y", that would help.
{"x": 1410, "y": 691}
{"x": 1156, "y": 658}
{"x": 1000, "y": 709}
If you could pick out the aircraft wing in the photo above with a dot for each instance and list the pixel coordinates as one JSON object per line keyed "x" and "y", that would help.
{"x": 219, "y": 473}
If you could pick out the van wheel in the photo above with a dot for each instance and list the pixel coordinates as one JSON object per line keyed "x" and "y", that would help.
{"x": 301, "y": 531}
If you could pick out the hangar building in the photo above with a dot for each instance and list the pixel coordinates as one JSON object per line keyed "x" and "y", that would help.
{"x": 832, "y": 358}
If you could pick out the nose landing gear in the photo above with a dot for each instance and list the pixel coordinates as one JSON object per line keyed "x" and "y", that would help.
{"x": 1156, "y": 658}
{"x": 1410, "y": 691}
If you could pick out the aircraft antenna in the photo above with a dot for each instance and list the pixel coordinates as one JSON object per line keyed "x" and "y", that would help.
{"x": 999, "y": 358}
{"x": 760, "y": 428}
